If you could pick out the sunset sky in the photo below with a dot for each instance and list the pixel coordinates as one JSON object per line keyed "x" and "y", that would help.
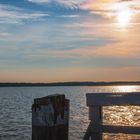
{"x": 69, "y": 40}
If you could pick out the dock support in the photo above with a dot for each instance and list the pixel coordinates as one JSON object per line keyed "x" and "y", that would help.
{"x": 95, "y": 102}
{"x": 95, "y": 115}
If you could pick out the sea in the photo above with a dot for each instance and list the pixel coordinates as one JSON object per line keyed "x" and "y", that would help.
{"x": 16, "y": 114}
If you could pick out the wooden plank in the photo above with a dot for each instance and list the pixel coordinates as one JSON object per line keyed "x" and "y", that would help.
{"x": 44, "y": 100}
{"x": 110, "y": 99}
{"x": 116, "y": 129}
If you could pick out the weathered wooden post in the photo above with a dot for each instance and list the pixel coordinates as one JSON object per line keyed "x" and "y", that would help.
{"x": 50, "y": 118}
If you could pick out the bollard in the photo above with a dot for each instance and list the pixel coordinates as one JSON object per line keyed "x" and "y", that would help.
{"x": 50, "y": 118}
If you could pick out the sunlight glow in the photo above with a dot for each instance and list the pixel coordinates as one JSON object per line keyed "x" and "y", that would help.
{"x": 122, "y": 13}
{"x": 125, "y": 88}
{"x": 124, "y": 17}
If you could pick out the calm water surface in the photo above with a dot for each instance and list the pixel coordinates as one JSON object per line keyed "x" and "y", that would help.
{"x": 15, "y": 111}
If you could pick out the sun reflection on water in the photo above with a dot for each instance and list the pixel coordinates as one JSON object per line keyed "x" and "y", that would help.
{"x": 122, "y": 115}
{"x": 125, "y": 88}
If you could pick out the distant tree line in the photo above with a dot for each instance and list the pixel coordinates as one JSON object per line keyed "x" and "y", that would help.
{"x": 69, "y": 84}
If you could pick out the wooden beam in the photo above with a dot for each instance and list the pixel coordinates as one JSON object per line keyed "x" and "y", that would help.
{"x": 116, "y": 129}
{"x": 110, "y": 99}
{"x": 88, "y": 133}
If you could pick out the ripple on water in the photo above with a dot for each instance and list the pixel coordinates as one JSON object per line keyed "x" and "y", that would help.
{"x": 15, "y": 111}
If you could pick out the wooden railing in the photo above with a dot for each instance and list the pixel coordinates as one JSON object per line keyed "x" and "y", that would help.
{"x": 95, "y": 102}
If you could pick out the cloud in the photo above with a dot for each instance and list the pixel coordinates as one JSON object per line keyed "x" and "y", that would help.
{"x": 111, "y": 8}
{"x": 4, "y": 35}
{"x": 120, "y": 49}
{"x": 39, "y": 1}
{"x": 107, "y": 5}
{"x": 71, "y": 74}
{"x": 109, "y": 51}
{"x": 71, "y": 4}
{"x": 12, "y": 15}
{"x": 69, "y": 16}
{"x": 116, "y": 43}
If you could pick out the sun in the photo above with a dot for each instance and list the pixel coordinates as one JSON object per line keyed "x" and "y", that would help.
{"x": 124, "y": 17}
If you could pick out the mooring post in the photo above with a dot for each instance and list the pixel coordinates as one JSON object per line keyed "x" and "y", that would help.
{"x": 50, "y": 117}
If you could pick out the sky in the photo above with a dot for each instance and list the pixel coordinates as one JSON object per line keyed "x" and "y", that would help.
{"x": 69, "y": 40}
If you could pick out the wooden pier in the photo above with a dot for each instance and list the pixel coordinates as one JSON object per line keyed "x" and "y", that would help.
{"x": 95, "y": 102}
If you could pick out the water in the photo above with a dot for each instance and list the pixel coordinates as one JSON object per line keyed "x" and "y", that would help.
{"x": 15, "y": 111}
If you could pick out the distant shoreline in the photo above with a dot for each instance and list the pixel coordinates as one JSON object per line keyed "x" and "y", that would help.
{"x": 68, "y": 84}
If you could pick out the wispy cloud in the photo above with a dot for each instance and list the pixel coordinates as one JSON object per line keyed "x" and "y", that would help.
{"x": 71, "y": 74}
{"x": 10, "y": 14}
{"x": 69, "y": 16}
{"x": 4, "y": 34}
{"x": 39, "y": 1}
{"x": 109, "y": 5}
{"x": 72, "y": 4}
{"x": 110, "y": 8}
